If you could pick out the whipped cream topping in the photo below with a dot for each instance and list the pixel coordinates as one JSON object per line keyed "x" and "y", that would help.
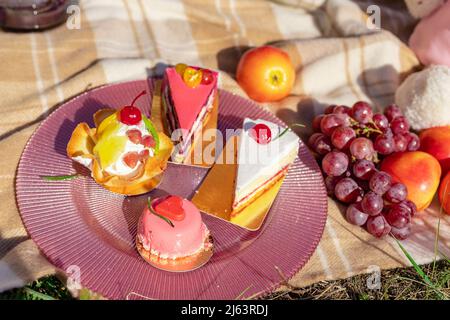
{"x": 120, "y": 168}
{"x": 87, "y": 162}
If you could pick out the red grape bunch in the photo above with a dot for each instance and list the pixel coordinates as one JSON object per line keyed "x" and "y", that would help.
{"x": 350, "y": 142}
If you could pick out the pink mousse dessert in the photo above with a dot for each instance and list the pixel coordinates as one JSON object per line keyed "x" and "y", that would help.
{"x": 171, "y": 228}
{"x": 431, "y": 38}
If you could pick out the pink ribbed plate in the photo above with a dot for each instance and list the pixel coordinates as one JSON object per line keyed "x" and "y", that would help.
{"x": 78, "y": 223}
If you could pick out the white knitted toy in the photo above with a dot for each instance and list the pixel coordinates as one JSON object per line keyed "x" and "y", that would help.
{"x": 424, "y": 98}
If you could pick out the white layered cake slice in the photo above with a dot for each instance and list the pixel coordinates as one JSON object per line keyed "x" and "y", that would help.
{"x": 264, "y": 155}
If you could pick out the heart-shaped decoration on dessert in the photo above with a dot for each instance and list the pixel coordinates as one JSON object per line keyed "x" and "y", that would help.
{"x": 171, "y": 207}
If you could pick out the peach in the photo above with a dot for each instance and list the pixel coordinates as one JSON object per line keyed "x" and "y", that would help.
{"x": 436, "y": 141}
{"x": 444, "y": 193}
{"x": 266, "y": 74}
{"x": 419, "y": 171}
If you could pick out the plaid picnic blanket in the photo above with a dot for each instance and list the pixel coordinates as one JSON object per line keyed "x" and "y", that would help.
{"x": 337, "y": 58}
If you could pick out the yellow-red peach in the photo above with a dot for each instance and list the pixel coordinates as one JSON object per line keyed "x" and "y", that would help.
{"x": 419, "y": 171}
{"x": 436, "y": 141}
{"x": 444, "y": 193}
{"x": 266, "y": 74}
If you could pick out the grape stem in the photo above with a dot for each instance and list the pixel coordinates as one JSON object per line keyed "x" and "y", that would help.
{"x": 374, "y": 158}
{"x": 377, "y": 130}
{"x": 366, "y": 130}
{"x": 353, "y": 122}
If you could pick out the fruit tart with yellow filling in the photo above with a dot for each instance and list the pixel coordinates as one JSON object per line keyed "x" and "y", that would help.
{"x": 124, "y": 152}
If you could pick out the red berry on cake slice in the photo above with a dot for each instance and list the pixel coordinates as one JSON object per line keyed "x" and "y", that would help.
{"x": 261, "y": 133}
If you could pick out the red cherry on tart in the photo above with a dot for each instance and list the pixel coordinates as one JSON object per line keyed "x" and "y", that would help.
{"x": 130, "y": 115}
{"x": 171, "y": 207}
{"x": 261, "y": 133}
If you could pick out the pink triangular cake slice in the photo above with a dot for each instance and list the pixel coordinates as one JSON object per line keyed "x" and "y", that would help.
{"x": 187, "y": 101}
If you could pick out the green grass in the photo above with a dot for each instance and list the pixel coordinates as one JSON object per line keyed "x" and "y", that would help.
{"x": 396, "y": 284}
{"x": 46, "y": 288}
{"x": 402, "y": 283}
{"x": 429, "y": 282}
